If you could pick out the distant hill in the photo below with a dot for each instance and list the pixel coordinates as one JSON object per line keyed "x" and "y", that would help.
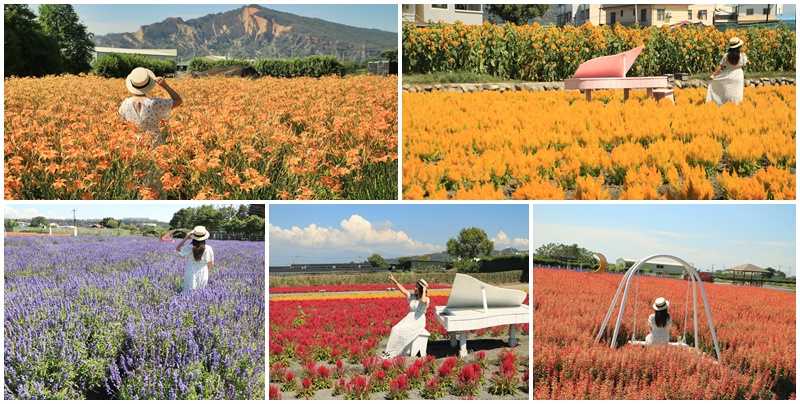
{"x": 255, "y": 32}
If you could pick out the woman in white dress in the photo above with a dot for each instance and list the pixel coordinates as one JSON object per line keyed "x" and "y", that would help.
{"x": 727, "y": 82}
{"x": 409, "y": 328}
{"x": 147, "y": 112}
{"x": 659, "y": 322}
{"x": 201, "y": 259}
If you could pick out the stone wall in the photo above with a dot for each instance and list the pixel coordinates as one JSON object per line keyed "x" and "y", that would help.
{"x": 559, "y": 85}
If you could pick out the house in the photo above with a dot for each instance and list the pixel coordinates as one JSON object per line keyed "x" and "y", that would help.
{"x": 420, "y": 14}
{"x": 579, "y": 14}
{"x": 644, "y": 14}
{"x": 672, "y": 267}
{"x": 647, "y": 15}
{"x": 757, "y": 13}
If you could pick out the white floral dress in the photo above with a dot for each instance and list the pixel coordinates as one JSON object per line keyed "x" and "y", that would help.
{"x": 196, "y": 275}
{"x": 658, "y": 335}
{"x": 151, "y": 112}
{"x": 409, "y": 328}
{"x": 728, "y": 85}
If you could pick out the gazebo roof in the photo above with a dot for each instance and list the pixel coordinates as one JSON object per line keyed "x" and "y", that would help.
{"x": 749, "y": 268}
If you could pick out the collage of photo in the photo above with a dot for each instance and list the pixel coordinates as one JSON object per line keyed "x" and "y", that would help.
{"x": 396, "y": 201}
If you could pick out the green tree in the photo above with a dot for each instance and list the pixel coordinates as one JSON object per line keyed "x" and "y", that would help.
{"x": 471, "y": 243}
{"x": 255, "y": 225}
{"x": 519, "y": 14}
{"x": 40, "y": 221}
{"x": 112, "y": 224}
{"x": 243, "y": 212}
{"x": 389, "y": 55}
{"x": 182, "y": 219}
{"x": 10, "y": 223}
{"x": 60, "y": 21}
{"x": 552, "y": 250}
{"x": 377, "y": 261}
{"x": 28, "y": 51}
{"x": 209, "y": 217}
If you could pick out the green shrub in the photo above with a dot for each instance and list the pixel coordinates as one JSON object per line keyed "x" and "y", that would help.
{"x": 311, "y": 66}
{"x": 444, "y": 277}
{"x": 119, "y": 65}
{"x": 502, "y": 263}
{"x": 200, "y": 65}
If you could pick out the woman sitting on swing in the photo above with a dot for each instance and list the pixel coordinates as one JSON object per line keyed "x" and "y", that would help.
{"x": 659, "y": 322}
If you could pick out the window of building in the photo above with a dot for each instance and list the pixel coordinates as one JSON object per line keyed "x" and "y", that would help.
{"x": 690, "y": 15}
{"x": 643, "y": 18}
{"x": 702, "y": 14}
{"x": 442, "y": 6}
{"x": 661, "y": 14}
{"x": 468, "y": 7}
{"x": 749, "y": 11}
{"x": 765, "y": 11}
{"x": 659, "y": 266}
{"x": 621, "y": 13}
{"x": 613, "y": 18}
{"x": 586, "y": 14}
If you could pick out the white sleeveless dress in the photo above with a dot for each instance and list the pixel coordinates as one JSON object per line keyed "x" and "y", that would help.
{"x": 658, "y": 335}
{"x": 728, "y": 85}
{"x": 196, "y": 275}
{"x": 409, "y": 328}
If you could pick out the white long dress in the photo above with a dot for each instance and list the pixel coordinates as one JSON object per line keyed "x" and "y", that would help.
{"x": 658, "y": 335}
{"x": 196, "y": 275}
{"x": 728, "y": 85}
{"x": 151, "y": 112}
{"x": 409, "y": 328}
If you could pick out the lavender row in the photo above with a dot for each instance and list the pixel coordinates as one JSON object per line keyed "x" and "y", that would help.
{"x": 103, "y": 317}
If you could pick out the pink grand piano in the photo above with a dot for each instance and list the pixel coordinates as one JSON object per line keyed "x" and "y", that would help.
{"x": 473, "y": 305}
{"x": 608, "y": 72}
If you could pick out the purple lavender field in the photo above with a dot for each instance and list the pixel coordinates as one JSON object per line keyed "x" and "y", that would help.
{"x": 103, "y": 317}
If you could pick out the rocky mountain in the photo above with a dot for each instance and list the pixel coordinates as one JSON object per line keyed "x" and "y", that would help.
{"x": 255, "y": 32}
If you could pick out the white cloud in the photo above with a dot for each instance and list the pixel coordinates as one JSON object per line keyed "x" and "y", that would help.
{"x": 501, "y": 241}
{"x": 673, "y": 234}
{"x": 28, "y": 213}
{"x": 355, "y": 234}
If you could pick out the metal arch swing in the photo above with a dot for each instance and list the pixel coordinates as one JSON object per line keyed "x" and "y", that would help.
{"x": 626, "y": 280}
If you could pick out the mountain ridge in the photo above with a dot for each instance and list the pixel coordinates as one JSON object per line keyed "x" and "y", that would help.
{"x": 253, "y": 32}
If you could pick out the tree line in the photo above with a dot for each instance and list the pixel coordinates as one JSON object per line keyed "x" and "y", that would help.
{"x": 54, "y": 42}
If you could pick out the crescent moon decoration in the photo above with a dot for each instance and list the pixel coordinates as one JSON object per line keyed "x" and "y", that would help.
{"x": 603, "y": 263}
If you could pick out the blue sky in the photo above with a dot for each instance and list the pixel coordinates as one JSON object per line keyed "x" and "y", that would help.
{"x": 719, "y": 234}
{"x": 97, "y": 210}
{"x": 314, "y": 233}
{"x": 102, "y": 19}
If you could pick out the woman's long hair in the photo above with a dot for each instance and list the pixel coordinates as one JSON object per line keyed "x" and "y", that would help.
{"x": 198, "y": 248}
{"x": 661, "y": 318}
{"x": 733, "y": 56}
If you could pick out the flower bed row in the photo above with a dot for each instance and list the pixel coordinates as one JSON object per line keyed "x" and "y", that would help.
{"x": 555, "y": 145}
{"x": 345, "y": 288}
{"x": 536, "y": 53}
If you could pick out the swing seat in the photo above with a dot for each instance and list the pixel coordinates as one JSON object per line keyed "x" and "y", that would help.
{"x": 643, "y": 343}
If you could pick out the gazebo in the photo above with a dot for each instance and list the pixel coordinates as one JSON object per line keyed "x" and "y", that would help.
{"x": 565, "y": 258}
{"x": 749, "y": 275}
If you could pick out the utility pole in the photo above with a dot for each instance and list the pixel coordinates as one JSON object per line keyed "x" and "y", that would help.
{"x": 74, "y": 223}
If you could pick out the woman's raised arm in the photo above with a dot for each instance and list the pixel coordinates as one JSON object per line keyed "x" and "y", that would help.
{"x": 399, "y": 286}
{"x": 178, "y": 248}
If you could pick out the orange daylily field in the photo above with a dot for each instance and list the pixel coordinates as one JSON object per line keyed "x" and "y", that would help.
{"x": 555, "y": 145}
{"x": 233, "y": 138}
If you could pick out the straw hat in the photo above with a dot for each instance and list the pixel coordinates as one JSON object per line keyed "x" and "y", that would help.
{"x": 140, "y": 81}
{"x": 735, "y": 42}
{"x": 423, "y": 283}
{"x": 661, "y": 304}
{"x": 199, "y": 233}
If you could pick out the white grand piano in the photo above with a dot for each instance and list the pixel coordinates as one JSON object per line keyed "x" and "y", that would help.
{"x": 473, "y": 305}
{"x": 608, "y": 72}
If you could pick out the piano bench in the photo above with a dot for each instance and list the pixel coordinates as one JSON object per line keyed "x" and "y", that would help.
{"x": 658, "y": 95}
{"x": 420, "y": 344}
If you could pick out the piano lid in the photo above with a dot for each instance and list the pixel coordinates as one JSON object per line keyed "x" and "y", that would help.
{"x": 466, "y": 293}
{"x": 613, "y": 66}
